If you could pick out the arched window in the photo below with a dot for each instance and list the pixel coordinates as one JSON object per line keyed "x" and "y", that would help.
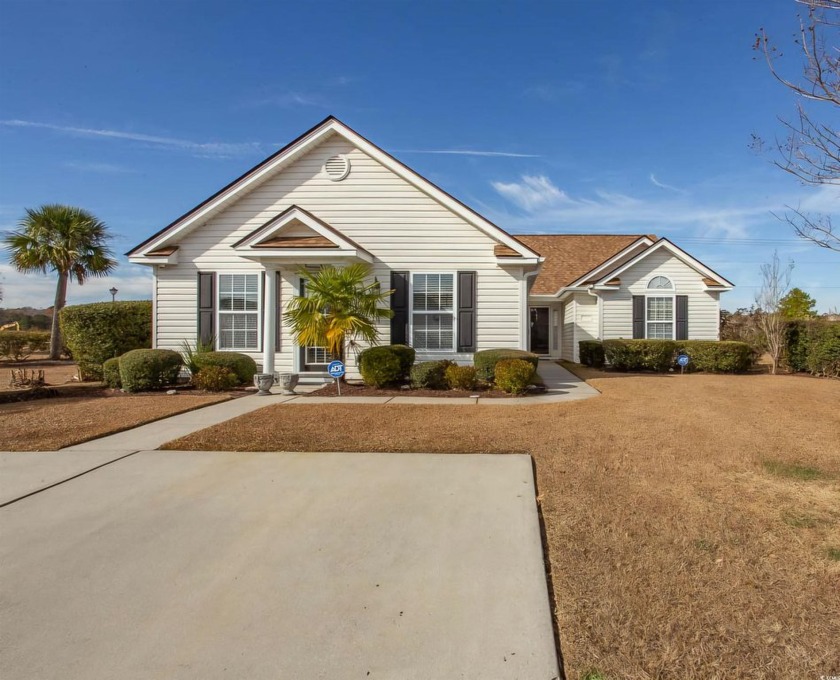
{"x": 660, "y": 283}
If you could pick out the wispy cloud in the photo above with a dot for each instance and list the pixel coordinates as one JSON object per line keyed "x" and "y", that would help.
{"x": 289, "y": 100}
{"x": 662, "y": 185}
{"x": 102, "y": 168}
{"x": 216, "y": 149}
{"x": 470, "y": 152}
{"x": 533, "y": 193}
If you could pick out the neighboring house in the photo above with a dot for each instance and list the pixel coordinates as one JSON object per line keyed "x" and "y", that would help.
{"x": 227, "y": 268}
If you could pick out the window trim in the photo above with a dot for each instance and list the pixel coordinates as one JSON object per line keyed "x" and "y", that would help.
{"x": 454, "y": 312}
{"x": 660, "y": 276}
{"x": 258, "y": 312}
{"x": 673, "y": 322}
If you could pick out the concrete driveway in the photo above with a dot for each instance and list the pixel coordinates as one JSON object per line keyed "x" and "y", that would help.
{"x": 231, "y": 565}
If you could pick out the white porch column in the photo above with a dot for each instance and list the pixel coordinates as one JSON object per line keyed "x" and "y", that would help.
{"x": 269, "y": 320}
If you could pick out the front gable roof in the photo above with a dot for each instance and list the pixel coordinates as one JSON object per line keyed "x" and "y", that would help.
{"x": 294, "y": 150}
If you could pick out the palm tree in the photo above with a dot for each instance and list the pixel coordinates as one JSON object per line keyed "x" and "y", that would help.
{"x": 63, "y": 239}
{"x": 339, "y": 307}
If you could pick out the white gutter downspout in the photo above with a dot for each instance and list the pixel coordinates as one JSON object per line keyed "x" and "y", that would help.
{"x": 525, "y": 330}
{"x": 589, "y": 289}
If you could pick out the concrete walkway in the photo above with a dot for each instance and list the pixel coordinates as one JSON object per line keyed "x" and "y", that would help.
{"x": 213, "y": 565}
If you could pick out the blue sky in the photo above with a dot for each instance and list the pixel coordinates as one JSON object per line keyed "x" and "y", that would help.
{"x": 566, "y": 117}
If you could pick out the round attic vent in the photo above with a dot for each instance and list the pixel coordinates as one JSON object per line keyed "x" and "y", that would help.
{"x": 337, "y": 168}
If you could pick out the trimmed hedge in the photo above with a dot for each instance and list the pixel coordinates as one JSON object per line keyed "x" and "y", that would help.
{"x": 111, "y": 373}
{"x": 241, "y": 365}
{"x": 461, "y": 377}
{"x": 813, "y": 346}
{"x": 485, "y": 361}
{"x": 100, "y": 331}
{"x": 710, "y": 356}
{"x": 514, "y": 375}
{"x": 386, "y": 364}
{"x": 430, "y": 375}
{"x": 591, "y": 353}
{"x": 149, "y": 369}
{"x": 18, "y": 345}
{"x": 215, "y": 379}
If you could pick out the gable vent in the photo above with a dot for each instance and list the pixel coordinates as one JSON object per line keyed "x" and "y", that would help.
{"x": 337, "y": 168}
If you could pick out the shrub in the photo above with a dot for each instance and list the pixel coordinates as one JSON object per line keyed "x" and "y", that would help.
{"x": 386, "y": 364}
{"x": 591, "y": 353}
{"x": 430, "y": 374}
{"x": 18, "y": 345}
{"x": 485, "y": 361}
{"x": 712, "y": 356}
{"x": 188, "y": 352}
{"x": 824, "y": 350}
{"x": 111, "y": 373}
{"x": 638, "y": 355}
{"x": 100, "y": 331}
{"x": 796, "y": 345}
{"x": 214, "y": 379}
{"x": 461, "y": 377}
{"x": 514, "y": 375}
{"x": 241, "y": 365}
{"x": 149, "y": 369}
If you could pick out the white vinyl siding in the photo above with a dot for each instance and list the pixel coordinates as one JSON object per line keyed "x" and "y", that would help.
{"x": 567, "y": 346}
{"x": 703, "y": 305}
{"x": 402, "y": 227}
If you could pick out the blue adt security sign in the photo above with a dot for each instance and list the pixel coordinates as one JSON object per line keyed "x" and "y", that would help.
{"x": 336, "y": 369}
{"x": 682, "y": 360}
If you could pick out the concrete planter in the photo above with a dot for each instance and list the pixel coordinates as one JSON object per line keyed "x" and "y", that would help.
{"x": 263, "y": 382}
{"x": 288, "y": 382}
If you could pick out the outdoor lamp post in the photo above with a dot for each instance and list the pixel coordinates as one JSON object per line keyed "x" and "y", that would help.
{"x": 113, "y": 293}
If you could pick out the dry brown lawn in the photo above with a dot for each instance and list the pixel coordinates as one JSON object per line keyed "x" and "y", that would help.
{"x": 50, "y": 424}
{"x": 55, "y": 372}
{"x": 692, "y": 522}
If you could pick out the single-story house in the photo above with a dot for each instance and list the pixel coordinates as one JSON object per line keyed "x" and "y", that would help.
{"x": 226, "y": 269}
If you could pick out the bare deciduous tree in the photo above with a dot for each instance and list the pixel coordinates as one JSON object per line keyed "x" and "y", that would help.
{"x": 810, "y": 150}
{"x": 775, "y": 282}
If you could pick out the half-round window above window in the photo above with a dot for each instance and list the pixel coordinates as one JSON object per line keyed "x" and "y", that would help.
{"x": 337, "y": 168}
{"x": 660, "y": 283}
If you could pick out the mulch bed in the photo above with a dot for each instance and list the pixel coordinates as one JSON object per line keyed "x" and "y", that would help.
{"x": 354, "y": 390}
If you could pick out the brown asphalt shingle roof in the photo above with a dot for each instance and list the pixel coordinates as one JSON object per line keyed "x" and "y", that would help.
{"x": 570, "y": 256}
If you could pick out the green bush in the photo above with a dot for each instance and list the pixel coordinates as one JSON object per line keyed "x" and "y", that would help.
{"x": 111, "y": 373}
{"x": 640, "y": 355}
{"x": 100, "y": 331}
{"x": 485, "y": 361}
{"x": 461, "y": 377}
{"x": 18, "y": 345}
{"x": 591, "y": 353}
{"x": 824, "y": 350}
{"x": 514, "y": 375}
{"x": 712, "y": 356}
{"x": 796, "y": 345}
{"x": 149, "y": 369}
{"x": 386, "y": 364}
{"x": 215, "y": 379}
{"x": 430, "y": 375}
{"x": 241, "y": 365}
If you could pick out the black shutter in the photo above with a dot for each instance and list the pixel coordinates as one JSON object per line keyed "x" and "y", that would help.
{"x": 466, "y": 312}
{"x": 206, "y": 306}
{"x": 682, "y": 317}
{"x": 302, "y": 349}
{"x": 399, "y": 305}
{"x": 278, "y": 284}
{"x": 638, "y": 317}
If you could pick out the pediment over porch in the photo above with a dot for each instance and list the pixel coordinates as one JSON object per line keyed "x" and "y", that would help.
{"x": 296, "y": 235}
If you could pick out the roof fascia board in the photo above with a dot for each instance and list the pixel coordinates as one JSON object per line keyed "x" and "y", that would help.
{"x": 644, "y": 240}
{"x": 277, "y": 224}
{"x": 677, "y": 252}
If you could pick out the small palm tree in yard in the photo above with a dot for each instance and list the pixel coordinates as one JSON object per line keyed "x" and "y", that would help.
{"x": 340, "y": 307}
{"x": 63, "y": 239}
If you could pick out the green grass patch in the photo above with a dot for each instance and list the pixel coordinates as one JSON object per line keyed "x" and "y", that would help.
{"x": 705, "y": 545}
{"x": 800, "y": 521}
{"x": 594, "y": 674}
{"x": 833, "y": 554}
{"x": 804, "y": 473}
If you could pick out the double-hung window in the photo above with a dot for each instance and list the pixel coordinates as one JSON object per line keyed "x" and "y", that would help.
{"x": 659, "y": 310}
{"x": 433, "y": 312}
{"x": 239, "y": 311}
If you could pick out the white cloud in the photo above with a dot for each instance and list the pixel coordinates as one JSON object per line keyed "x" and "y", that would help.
{"x": 469, "y": 152}
{"x": 662, "y": 185}
{"x": 217, "y": 149}
{"x": 533, "y": 193}
{"x": 36, "y": 290}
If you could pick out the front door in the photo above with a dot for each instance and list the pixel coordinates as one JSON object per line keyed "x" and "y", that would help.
{"x": 539, "y": 330}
